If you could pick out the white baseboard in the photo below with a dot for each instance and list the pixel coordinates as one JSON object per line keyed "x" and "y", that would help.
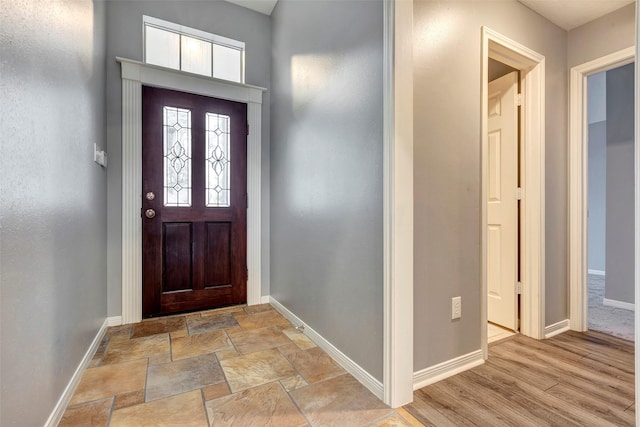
{"x": 447, "y": 369}
{"x": 596, "y": 272}
{"x": 365, "y": 378}
{"x": 556, "y": 328}
{"x": 264, "y": 299}
{"x": 58, "y": 411}
{"x": 114, "y": 321}
{"x": 619, "y": 304}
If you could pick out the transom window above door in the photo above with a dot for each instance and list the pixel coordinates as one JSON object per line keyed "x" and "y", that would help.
{"x": 187, "y": 49}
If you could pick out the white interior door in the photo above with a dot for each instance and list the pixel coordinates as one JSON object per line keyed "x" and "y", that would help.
{"x": 502, "y": 203}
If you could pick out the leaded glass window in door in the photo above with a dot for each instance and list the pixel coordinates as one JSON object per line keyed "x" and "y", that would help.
{"x": 217, "y": 161}
{"x": 177, "y": 157}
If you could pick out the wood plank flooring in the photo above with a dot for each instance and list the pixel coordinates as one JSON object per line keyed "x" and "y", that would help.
{"x": 573, "y": 379}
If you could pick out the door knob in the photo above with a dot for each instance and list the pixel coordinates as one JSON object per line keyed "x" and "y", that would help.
{"x": 150, "y": 213}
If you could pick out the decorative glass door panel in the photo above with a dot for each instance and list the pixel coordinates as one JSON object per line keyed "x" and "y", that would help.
{"x": 194, "y": 203}
{"x": 218, "y": 161}
{"x": 177, "y": 156}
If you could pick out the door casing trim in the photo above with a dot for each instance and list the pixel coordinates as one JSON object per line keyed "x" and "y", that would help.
{"x": 398, "y": 203}
{"x": 532, "y": 215}
{"x": 578, "y": 185}
{"x": 134, "y": 74}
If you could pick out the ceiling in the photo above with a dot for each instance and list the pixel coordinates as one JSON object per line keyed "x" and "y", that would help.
{"x": 262, "y": 6}
{"x": 567, "y": 14}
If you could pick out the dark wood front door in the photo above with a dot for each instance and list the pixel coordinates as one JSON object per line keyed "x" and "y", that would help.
{"x": 194, "y": 202}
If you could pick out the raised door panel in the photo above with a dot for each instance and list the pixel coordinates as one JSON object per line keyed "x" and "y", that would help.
{"x": 177, "y": 257}
{"x": 218, "y": 254}
{"x": 494, "y": 270}
{"x": 495, "y": 167}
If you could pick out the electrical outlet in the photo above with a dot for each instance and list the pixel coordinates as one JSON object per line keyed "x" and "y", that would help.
{"x": 456, "y": 308}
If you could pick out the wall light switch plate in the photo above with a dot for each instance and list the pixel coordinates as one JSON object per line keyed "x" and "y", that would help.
{"x": 456, "y": 308}
{"x": 99, "y": 156}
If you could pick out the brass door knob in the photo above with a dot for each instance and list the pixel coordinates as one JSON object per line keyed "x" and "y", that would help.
{"x": 150, "y": 213}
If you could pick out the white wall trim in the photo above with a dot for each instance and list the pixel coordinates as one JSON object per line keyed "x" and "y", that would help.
{"x": 637, "y": 216}
{"x": 134, "y": 75}
{"x": 265, "y": 299}
{"x": 556, "y": 328}
{"x": 65, "y": 398}
{"x": 619, "y": 304}
{"x": 578, "y": 186}
{"x": 398, "y": 203}
{"x": 597, "y": 272}
{"x": 342, "y": 359}
{"x": 532, "y": 249}
{"x": 447, "y": 369}
{"x": 114, "y": 321}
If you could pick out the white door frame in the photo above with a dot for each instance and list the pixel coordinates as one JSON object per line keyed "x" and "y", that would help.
{"x": 578, "y": 185}
{"x": 532, "y": 214}
{"x": 134, "y": 75}
{"x": 398, "y": 203}
{"x": 637, "y": 215}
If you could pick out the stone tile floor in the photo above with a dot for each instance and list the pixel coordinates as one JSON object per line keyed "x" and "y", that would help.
{"x": 237, "y": 366}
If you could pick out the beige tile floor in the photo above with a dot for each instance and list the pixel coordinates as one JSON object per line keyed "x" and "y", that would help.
{"x": 238, "y": 366}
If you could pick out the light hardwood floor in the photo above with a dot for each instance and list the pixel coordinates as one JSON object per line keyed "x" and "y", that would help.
{"x": 573, "y": 379}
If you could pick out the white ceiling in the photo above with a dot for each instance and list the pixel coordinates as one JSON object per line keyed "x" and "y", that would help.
{"x": 262, "y": 6}
{"x": 569, "y": 14}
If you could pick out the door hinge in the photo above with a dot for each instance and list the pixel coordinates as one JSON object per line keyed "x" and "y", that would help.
{"x": 247, "y": 129}
{"x": 246, "y": 199}
{"x": 246, "y": 274}
{"x": 519, "y": 193}
{"x": 519, "y": 99}
{"x": 518, "y": 288}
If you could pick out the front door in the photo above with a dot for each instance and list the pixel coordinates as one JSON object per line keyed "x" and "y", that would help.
{"x": 194, "y": 201}
{"x": 502, "y": 203}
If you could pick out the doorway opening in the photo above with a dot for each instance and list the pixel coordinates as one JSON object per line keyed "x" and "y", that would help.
{"x": 601, "y": 196}
{"x": 610, "y": 202}
{"x": 521, "y": 290}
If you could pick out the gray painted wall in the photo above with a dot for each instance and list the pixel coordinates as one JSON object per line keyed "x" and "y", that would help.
{"x": 447, "y": 90}
{"x": 326, "y": 166}
{"x": 597, "y": 97}
{"x": 52, "y": 199}
{"x": 124, "y": 38}
{"x": 602, "y": 36}
{"x": 620, "y": 175}
{"x": 597, "y": 196}
{"x": 597, "y": 167}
